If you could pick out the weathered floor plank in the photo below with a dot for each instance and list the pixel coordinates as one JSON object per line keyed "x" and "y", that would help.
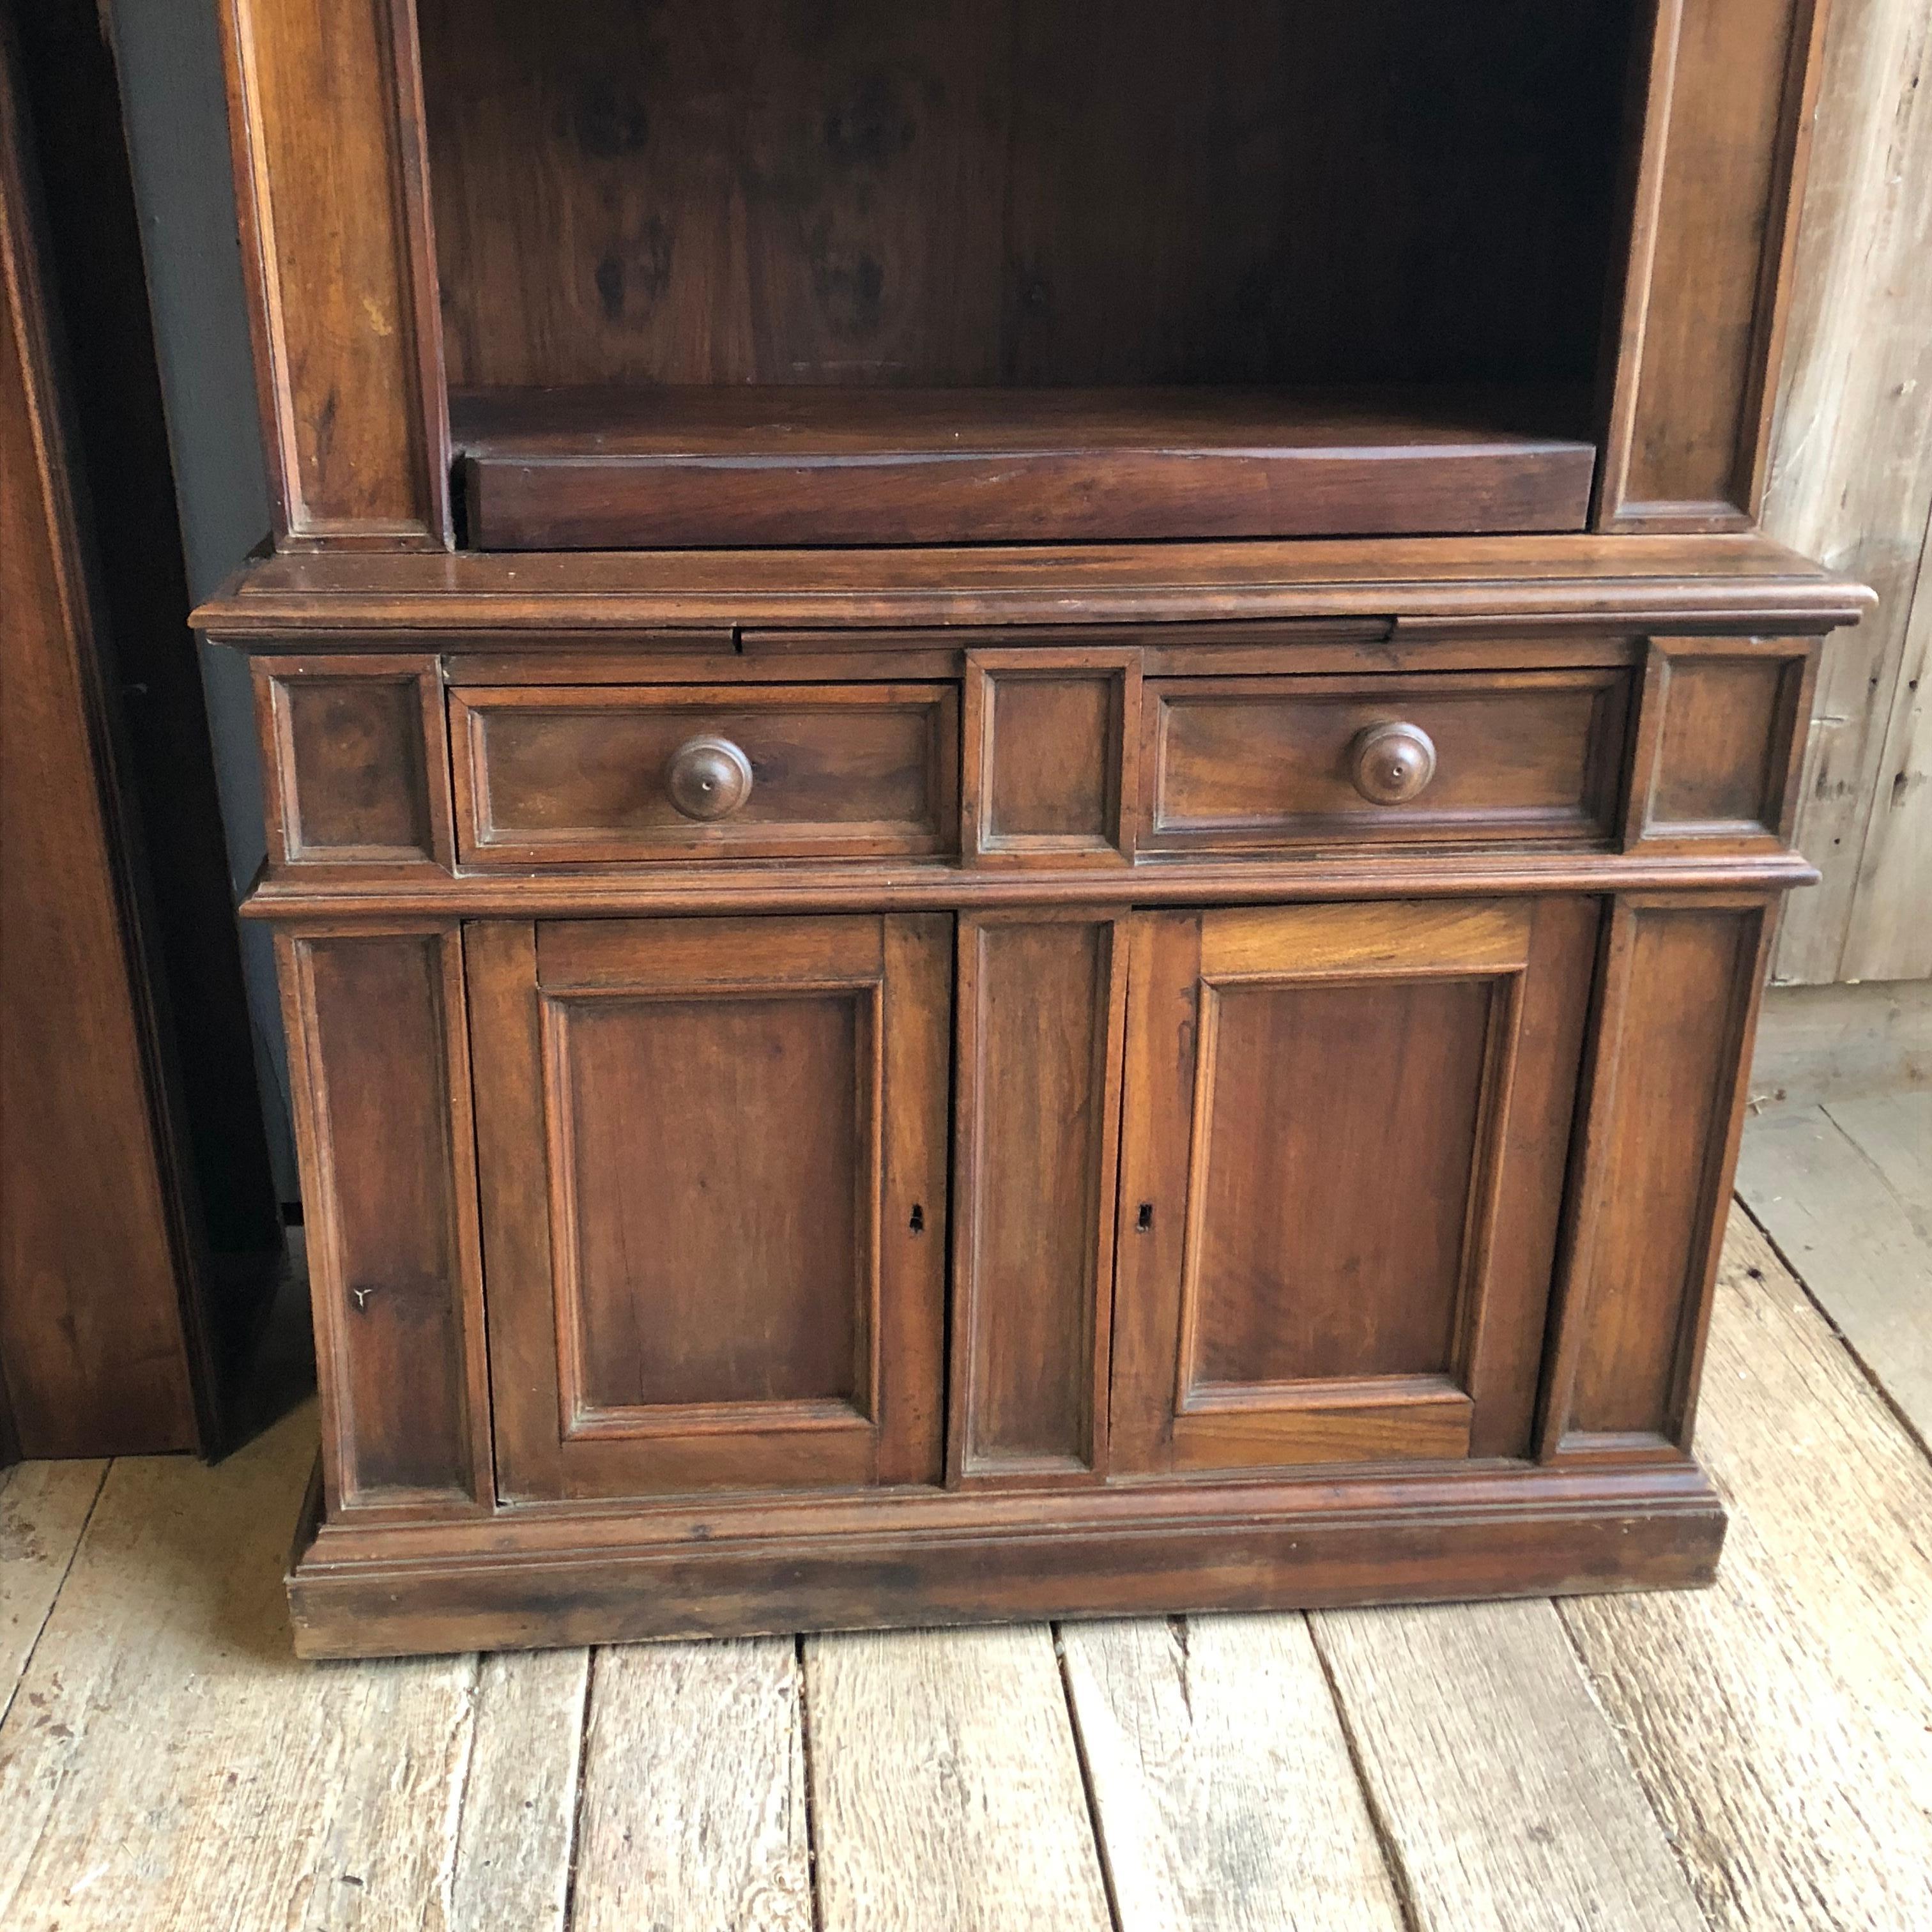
{"x": 166, "y": 1762}
{"x": 519, "y": 1812}
{"x": 1844, "y": 1228}
{"x": 43, "y": 1507}
{"x": 1782, "y": 1721}
{"x": 1893, "y": 1132}
{"x": 694, "y": 1801}
{"x": 946, "y": 1786}
{"x": 1223, "y": 1789}
{"x": 1499, "y": 1781}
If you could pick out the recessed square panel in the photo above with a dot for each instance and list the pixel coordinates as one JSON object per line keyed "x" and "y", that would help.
{"x": 1721, "y": 745}
{"x": 718, "y": 1249}
{"x": 1344, "y": 1124}
{"x": 352, "y": 767}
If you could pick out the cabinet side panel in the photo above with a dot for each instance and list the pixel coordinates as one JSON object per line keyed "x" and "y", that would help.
{"x": 324, "y": 103}
{"x": 1718, "y": 189}
{"x": 381, "y": 1114}
{"x": 1681, "y": 1002}
{"x": 1039, "y": 1020}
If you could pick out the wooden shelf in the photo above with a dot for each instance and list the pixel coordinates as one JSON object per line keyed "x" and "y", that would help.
{"x": 681, "y": 467}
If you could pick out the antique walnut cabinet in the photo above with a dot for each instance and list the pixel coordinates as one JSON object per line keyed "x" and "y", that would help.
{"x": 1026, "y": 765}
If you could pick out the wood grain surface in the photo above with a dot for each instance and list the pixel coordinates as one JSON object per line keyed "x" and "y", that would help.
{"x": 700, "y": 1749}
{"x": 1842, "y": 1192}
{"x": 1224, "y": 1796}
{"x": 1488, "y": 1834}
{"x": 1781, "y": 1722}
{"x": 43, "y": 1508}
{"x": 946, "y": 1785}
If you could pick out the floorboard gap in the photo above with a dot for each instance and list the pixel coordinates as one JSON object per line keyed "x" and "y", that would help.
{"x": 811, "y": 1798}
{"x": 1093, "y": 1825}
{"x": 1873, "y": 1378}
{"x": 53, "y": 1601}
{"x": 582, "y": 1793}
{"x": 1400, "y": 1880}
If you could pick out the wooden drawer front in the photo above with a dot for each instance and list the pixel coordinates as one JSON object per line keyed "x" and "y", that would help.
{"x": 585, "y": 773}
{"x": 1263, "y": 763}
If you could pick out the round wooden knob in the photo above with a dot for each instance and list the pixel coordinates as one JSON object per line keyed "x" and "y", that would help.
{"x": 1392, "y": 763}
{"x": 708, "y": 778}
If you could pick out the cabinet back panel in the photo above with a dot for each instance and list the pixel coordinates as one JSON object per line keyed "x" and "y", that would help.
{"x": 1005, "y": 191}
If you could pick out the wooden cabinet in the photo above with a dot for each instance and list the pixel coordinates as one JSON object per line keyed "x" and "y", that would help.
{"x": 714, "y": 1179}
{"x": 1032, "y": 863}
{"x": 715, "y": 1187}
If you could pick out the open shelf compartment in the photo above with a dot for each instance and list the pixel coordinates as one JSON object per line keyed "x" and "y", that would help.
{"x": 740, "y": 272}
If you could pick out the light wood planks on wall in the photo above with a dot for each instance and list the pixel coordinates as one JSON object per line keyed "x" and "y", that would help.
{"x": 1851, "y": 483}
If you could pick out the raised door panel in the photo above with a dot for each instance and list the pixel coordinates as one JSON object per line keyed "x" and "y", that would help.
{"x": 732, "y": 1274}
{"x": 1343, "y": 1159}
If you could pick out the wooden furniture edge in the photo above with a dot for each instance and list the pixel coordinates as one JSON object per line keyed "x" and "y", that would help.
{"x": 1718, "y": 580}
{"x": 539, "y": 1580}
{"x": 295, "y": 894}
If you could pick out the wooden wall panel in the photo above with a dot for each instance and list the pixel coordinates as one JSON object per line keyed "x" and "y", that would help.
{"x": 1678, "y": 1005}
{"x": 326, "y": 107}
{"x": 1851, "y": 483}
{"x": 99, "y": 1342}
{"x": 1726, "y": 129}
{"x": 1042, "y": 1005}
{"x": 382, "y": 1120}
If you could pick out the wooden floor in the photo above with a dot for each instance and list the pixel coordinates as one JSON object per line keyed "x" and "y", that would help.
{"x": 1757, "y": 1755}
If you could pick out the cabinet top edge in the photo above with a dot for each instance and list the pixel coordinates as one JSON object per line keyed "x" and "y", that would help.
{"x": 1729, "y": 580}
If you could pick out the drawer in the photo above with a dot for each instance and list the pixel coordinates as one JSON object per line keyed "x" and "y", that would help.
{"x": 1253, "y": 762}
{"x": 580, "y": 773}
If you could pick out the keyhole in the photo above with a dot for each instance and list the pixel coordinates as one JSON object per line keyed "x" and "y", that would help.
{"x": 918, "y": 1219}
{"x": 1144, "y": 1223}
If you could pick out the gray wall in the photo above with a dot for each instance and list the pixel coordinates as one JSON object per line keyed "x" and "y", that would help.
{"x": 170, "y": 55}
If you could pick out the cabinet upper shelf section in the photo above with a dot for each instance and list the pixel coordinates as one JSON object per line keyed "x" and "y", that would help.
{"x": 1138, "y": 265}
{"x": 678, "y": 467}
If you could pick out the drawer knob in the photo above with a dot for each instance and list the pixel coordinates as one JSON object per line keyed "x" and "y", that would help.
{"x": 1392, "y": 763}
{"x": 708, "y": 778}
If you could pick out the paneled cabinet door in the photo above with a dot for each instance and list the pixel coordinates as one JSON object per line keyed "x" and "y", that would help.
{"x": 1343, "y": 1149}
{"x": 712, "y": 1155}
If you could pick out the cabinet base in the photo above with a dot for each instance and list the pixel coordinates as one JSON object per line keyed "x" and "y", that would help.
{"x": 527, "y": 1578}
